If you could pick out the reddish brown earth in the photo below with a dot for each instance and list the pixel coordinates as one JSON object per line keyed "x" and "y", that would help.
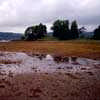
{"x": 55, "y": 86}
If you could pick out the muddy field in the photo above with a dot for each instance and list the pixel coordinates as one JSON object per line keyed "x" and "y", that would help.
{"x": 56, "y": 86}
{"x": 36, "y": 76}
{"x": 50, "y": 70}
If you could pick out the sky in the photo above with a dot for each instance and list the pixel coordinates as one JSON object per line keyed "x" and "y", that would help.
{"x": 17, "y": 15}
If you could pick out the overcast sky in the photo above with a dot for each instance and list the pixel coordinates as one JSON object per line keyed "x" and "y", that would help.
{"x": 16, "y": 15}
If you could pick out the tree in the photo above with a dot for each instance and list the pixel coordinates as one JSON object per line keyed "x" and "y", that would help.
{"x": 42, "y": 30}
{"x": 35, "y": 32}
{"x": 74, "y": 30}
{"x": 61, "y": 29}
{"x": 56, "y": 28}
{"x": 30, "y": 34}
{"x": 97, "y": 33}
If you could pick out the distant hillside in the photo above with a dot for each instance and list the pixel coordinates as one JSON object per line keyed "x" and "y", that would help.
{"x": 87, "y": 34}
{"x": 50, "y": 34}
{"x": 10, "y": 36}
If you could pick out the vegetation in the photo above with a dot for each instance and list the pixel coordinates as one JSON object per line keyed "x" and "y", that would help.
{"x": 83, "y": 48}
{"x": 49, "y": 38}
{"x": 74, "y": 30}
{"x": 35, "y": 32}
{"x": 97, "y": 34}
{"x": 61, "y": 30}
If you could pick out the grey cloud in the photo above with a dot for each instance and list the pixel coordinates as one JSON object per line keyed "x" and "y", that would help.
{"x": 16, "y": 15}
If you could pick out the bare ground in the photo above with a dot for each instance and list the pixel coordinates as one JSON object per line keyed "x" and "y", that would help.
{"x": 55, "y": 86}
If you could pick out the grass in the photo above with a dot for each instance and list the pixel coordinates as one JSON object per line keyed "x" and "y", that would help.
{"x": 83, "y": 48}
{"x": 49, "y": 38}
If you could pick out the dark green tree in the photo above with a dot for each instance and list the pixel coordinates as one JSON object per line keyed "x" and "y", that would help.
{"x": 97, "y": 33}
{"x": 35, "y": 32}
{"x": 56, "y": 28}
{"x": 61, "y": 29}
{"x": 42, "y": 30}
{"x": 74, "y": 30}
{"x": 30, "y": 33}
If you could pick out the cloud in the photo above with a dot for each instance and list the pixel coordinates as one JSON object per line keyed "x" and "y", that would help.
{"x": 16, "y": 15}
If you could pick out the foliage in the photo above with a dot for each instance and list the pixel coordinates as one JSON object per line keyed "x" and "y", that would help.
{"x": 35, "y": 32}
{"x": 49, "y": 38}
{"x": 61, "y": 30}
{"x": 97, "y": 34}
{"x": 74, "y": 30}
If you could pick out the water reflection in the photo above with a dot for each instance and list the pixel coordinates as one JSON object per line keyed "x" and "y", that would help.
{"x": 44, "y": 63}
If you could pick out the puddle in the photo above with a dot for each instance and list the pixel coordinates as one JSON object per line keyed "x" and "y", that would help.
{"x": 18, "y": 63}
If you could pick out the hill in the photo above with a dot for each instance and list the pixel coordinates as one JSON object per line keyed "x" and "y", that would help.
{"x": 10, "y": 36}
{"x": 87, "y": 34}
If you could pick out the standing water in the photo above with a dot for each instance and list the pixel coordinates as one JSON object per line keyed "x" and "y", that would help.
{"x": 17, "y": 63}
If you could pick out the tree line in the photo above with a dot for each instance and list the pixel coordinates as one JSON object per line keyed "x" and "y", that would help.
{"x": 61, "y": 30}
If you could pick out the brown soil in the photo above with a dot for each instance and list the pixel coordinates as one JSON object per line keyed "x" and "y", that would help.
{"x": 56, "y": 86}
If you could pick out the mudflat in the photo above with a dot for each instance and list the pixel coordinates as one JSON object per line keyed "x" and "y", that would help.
{"x": 56, "y": 86}
{"x": 23, "y": 77}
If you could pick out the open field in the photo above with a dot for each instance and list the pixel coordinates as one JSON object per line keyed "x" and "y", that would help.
{"x": 33, "y": 79}
{"x": 25, "y": 76}
{"x": 83, "y": 48}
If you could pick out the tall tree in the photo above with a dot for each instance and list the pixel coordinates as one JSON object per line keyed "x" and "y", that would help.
{"x": 97, "y": 33}
{"x": 42, "y": 30}
{"x": 74, "y": 30}
{"x": 61, "y": 29}
{"x": 56, "y": 28}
